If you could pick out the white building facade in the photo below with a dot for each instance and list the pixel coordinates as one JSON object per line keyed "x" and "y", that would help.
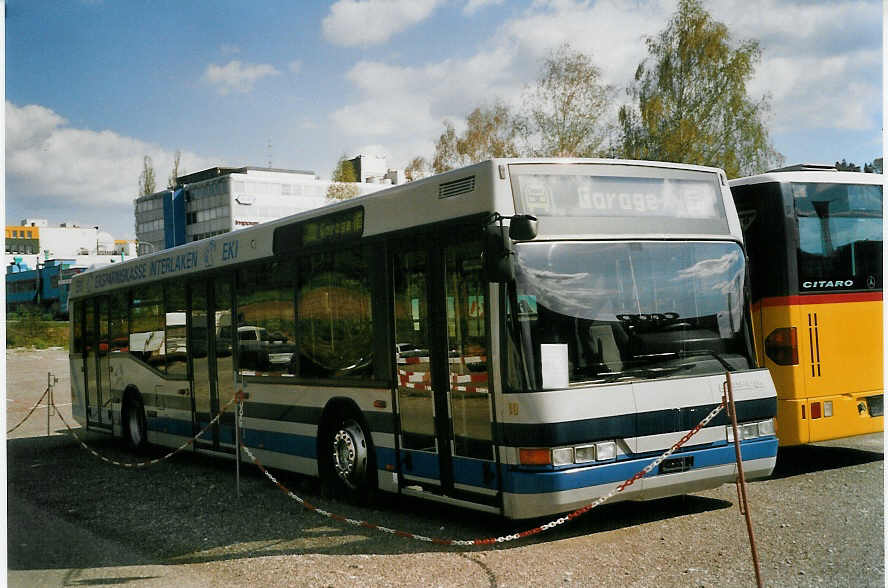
{"x": 219, "y": 200}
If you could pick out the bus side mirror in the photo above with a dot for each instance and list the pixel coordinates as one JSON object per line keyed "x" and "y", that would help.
{"x": 497, "y": 254}
{"x": 523, "y": 227}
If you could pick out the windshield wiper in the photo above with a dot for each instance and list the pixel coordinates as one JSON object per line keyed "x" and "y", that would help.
{"x": 695, "y": 352}
{"x": 648, "y": 373}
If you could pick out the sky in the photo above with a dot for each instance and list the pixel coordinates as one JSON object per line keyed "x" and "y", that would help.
{"x": 92, "y": 86}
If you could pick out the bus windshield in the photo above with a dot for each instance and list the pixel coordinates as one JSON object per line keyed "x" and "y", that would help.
{"x": 840, "y": 236}
{"x": 599, "y": 312}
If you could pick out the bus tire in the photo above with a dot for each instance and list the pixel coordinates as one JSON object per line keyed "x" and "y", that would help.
{"x": 347, "y": 459}
{"x": 135, "y": 428}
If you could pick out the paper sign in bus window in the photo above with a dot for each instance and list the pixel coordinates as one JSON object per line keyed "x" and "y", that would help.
{"x": 553, "y": 357}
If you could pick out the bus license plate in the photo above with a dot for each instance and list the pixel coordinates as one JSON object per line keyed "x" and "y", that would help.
{"x": 677, "y": 464}
{"x": 876, "y": 405}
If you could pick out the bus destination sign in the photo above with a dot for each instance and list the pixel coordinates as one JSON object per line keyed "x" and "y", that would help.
{"x": 340, "y": 226}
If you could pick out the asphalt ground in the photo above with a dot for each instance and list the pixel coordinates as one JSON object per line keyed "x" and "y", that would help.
{"x": 75, "y": 520}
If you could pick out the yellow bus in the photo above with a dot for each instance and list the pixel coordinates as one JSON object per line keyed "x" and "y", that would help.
{"x": 814, "y": 240}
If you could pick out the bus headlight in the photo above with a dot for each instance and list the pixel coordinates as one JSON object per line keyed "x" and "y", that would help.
{"x": 605, "y": 450}
{"x": 562, "y": 456}
{"x": 751, "y": 430}
{"x": 766, "y": 428}
{"x": 584, "y": 453}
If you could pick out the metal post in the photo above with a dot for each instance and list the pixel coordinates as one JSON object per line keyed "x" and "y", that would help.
{"x": 238, "y": 426}
{"x": 48, "y": 399}
{"x": 728, "y": 399}
{"x": 237, "y": 438}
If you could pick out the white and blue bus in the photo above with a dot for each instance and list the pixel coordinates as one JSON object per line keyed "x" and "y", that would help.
{"x": 518, "y": 336}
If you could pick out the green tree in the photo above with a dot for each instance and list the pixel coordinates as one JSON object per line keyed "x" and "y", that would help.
{"x": 490, "y": 132}
{"x": 147, "y": 184}
{"x": 345, "y": 179}
{"x": 690, "y": 99}
{"x": 564, "y": 112}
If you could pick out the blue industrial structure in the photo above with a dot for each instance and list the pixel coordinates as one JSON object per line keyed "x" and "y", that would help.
{"x": 174, "y": 217}
{"x": 43, "y": 288}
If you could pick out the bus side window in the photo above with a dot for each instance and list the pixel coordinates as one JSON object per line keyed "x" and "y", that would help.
{"x": 335, "y": 316}
{"x": 266, "y": 328}
{"x": 147, "y": 326}
{"x": 175, "y": 340}
{"x": 77, "y": 314}
{"x": 120, "y": 321}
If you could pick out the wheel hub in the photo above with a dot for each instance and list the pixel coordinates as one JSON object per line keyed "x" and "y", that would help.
{"x": 344, "y": 454}
{"x": 349, "y": 449}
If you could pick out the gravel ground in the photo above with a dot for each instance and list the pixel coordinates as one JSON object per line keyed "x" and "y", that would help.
{"x": 818, "y": 522}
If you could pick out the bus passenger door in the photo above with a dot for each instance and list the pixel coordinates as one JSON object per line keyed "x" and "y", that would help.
{"x": 210, "y": 342}
{"x": 96, "y": 368}
{"x": 413, "y": 340}
{"x": 469, "y": 396}
{"x": 442, "y": 390}
{"x": 200, "y": 325}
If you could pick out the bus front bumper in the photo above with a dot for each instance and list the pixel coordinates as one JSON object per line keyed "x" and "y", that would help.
{"x": 541, "y": 493}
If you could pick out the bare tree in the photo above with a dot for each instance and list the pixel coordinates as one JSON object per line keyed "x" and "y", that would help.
{"x": 147, "y": 184}
{"x": 174, "y": 174}
{"x": 564, "y": 113}
{"x": 417, "y": 169}
{"x": 490, "y": 132}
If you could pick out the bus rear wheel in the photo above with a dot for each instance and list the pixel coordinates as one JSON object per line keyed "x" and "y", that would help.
{"x": 348, "y": 460}
{"x": 135, "y": 429}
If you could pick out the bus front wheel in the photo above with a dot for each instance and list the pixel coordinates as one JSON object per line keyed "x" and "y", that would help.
{"x": 348, "y": 460}
{"x": 135, "y": 429}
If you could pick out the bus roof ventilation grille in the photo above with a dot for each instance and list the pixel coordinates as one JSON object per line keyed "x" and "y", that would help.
{"x": 456, "y": 187}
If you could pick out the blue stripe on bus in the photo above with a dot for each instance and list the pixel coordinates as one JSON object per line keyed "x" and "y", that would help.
{"x": 289, "y": 444}
{"x": 422, "y": 464}
{"x": 535, "y": 482}
{"x": 470, "y": 471}
{"x": 170, "y": 426}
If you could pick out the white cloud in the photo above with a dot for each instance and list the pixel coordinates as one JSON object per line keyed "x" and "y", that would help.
{"x": 49, "y": 160}
{"x": 407, "y": 102}
{"x": 295, "y": 66}
{"x": 611, "y": 31}
{"x": 235, "y": 76}
{"x": 820, "y": 62}
{"x": 368, "y": 22}
{"x": 820, "y": 65}
{"x": 473, "y": 6}
{"x": 837, "y": 92}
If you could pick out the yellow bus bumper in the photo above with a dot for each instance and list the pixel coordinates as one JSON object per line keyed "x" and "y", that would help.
{"x": 808, "y": 420}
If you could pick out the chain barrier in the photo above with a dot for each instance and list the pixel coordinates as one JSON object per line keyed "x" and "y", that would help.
{"x": 142, "y": 464}
{"x": 506, "y": 538}
{"x": 30, "y": 412}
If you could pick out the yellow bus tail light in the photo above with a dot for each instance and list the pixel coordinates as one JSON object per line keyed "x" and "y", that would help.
{"x": 782, "y": 346}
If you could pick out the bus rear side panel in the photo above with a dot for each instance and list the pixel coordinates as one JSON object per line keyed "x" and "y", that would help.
{"x": 789, "y": 377}
{"x": 840, "y": 356}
